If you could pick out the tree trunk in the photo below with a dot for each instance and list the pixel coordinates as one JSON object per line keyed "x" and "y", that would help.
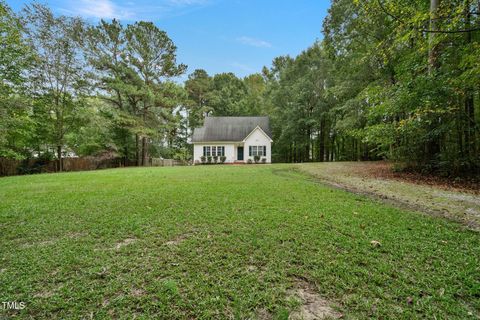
{"x": 137, "y": 150}
{"x": 321, "y": 153}
{"x": 144, "y": 139}
{"x": 342, "y": 148}
{"x": 354, "y": 150}
{"x": 327, "y": 141}
{"x": 60, "y": 159}
{"x": 307, "y": 147}
{"x": 469, "y": 128}
{"x": 333, "y": 149}
{"x": 125, "y": 157}
{"x": 59, "y": 132}
{"x": 144, "y": 151}
{"x": 359, "y": 150}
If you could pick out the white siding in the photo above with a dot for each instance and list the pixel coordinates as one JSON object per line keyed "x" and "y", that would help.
{"x": 230, "y": 151}
{"x": 258, "y": 138}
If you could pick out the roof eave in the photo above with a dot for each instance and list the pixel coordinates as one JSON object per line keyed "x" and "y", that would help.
{"x": 216, "y": 141}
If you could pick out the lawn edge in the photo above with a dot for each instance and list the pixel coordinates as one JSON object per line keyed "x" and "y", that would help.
{"x": 404, "y": 205}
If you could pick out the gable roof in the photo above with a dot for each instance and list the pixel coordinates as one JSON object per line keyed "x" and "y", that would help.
{"x": 259, "y": 129}
{"x": 230, "y": 128}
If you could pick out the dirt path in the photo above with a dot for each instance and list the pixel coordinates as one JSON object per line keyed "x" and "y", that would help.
{"x": 375, "y": 179}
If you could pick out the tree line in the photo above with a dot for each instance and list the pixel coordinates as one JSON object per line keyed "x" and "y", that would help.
{"x": 73, "y": 88}
{"x": 412, "y": 79}
{"x": 390, "y": 80}
{"x": 396, "y": 80}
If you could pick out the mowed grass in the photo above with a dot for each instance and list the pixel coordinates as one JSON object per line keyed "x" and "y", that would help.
{"x": 223, "y": 242}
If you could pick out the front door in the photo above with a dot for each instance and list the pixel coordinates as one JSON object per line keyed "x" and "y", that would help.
{"x": 240, "y": 153}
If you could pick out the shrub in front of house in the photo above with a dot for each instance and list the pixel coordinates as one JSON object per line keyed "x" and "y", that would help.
{"x": 249, "y": 161}
{"x": 256, "y": 159}
{"x": 215, "y": 159}
{"x": 223, "y": 159}
{"x": 203, "y": 159}
{"x": 209, "y": 159}
{"x": 264, "y": 160}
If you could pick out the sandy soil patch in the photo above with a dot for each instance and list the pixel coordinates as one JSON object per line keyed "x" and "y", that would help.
{"x": 177, "y": 240}
{"x": 313, "y": 306}
{"x": 124, "y": 243}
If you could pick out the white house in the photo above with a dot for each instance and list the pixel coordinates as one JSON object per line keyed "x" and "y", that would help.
{"x": 236, "y": 138}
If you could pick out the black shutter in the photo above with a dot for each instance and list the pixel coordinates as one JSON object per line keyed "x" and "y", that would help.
{"x": 204, "y": 151}
{"x": 249, "y": 151}
{"x": 264, "y": 151}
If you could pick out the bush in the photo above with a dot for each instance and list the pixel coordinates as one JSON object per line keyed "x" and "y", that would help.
{"x": 223, "y": 159}
{"x": 249, "y": 161}
{"x": 256, "y": 159}
{"x": 264, "y": 160}
{"x": 182, "y": 154}
{"x": 39, "y": 165}
{"x": 203, "y": 159}
{"x": 215, "y": 159}
{"x": 209, "y": 159}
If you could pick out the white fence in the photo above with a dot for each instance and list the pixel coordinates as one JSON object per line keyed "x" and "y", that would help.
{"x": 158, "y": 162}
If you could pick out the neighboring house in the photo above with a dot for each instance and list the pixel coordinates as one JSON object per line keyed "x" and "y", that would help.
{"x": 236, "y": 138}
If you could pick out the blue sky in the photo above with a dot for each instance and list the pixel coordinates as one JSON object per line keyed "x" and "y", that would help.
{"x": 239, "y": 36}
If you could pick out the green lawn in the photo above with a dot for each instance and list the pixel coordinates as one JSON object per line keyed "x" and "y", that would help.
{"x": 223, "y": 242}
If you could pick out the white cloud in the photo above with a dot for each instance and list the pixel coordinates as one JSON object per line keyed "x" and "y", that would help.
{"x": 100, "y": 9}
{"x": 254, "y": 42}
{"x": 128, "y": 10}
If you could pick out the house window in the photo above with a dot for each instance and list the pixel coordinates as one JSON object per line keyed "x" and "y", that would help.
{"x": 206, "y": 151}
{"x": 257, "y": 151}
{"x": 213, "y": 151}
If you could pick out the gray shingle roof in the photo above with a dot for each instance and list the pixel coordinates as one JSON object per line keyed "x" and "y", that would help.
{"x": 229, "y": 128}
